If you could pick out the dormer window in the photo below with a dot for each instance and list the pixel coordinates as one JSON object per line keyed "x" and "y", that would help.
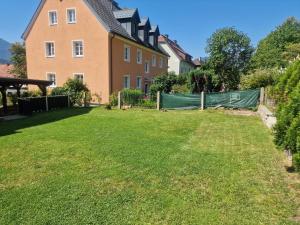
{"x": 141, "y": 35}
{"x": 52, "y": 18}
{"x": 127, "y": 27}
{"x": 151, "y": 40}
{"x": 71, "y": 16}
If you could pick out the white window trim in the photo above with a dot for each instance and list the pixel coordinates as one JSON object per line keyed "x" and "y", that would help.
{"x": 137, "y": 58}
{"x": 129, "y": 55}
{"x": 147, "y": 61}
{"x": 137, "y": 82}
{"x": 45, "y": 44}
{"x": 79, "y": 74}
{"x": 67, "y": 16}
{"x": 50, "y": 73}
{"x": 128, "y": 76}
{"x": 154, "y": 62}
{"x": 49, "y": 18}
{"x": 73, "y": 52}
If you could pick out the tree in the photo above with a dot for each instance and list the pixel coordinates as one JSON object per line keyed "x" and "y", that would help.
{"x": 272, "y": 50}
{"x": 229, "y": 52}
{"x": 200, "y": 80}
{"x": 18, "y": 59}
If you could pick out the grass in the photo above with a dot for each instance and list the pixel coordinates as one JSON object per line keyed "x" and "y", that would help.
{"x": 141, "y": 167}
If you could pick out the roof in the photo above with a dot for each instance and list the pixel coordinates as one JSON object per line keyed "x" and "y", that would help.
{"x": 177, "y": 49}
{"x": 7, "y": 82}
{"x": 154, "y": 28}
{"x": 124, "y": 13}
{"x": 4, "y": 71}
{"x": 197, "y": 62}
{"x": 144, "y": 21}
{"x": 105, "y": 11}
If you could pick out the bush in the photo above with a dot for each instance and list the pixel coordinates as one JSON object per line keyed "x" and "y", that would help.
{"x": 108, "y": 106}
{"x": 58, "y": 91}
{"x": 132, "y": 97}
{"x": 296, "y": 161}
{"x": 182, "y": 89}
{"x": 287, "y": 129}
{"x": 148, "y": 104}
{"x": 31, "y": 94}
{"x": 113, "y": 99}
{"x": 259, "y": 78}
{"x": 77, "y": 91}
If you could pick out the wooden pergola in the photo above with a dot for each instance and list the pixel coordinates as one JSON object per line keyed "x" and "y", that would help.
{"x": 17, "y": 84}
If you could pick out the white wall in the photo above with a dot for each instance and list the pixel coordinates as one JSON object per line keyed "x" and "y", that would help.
{"x": 174, "y": 62}
{"x": 185, "y": 67}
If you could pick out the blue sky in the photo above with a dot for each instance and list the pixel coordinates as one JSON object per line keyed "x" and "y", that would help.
{"x": 191, "y": 22}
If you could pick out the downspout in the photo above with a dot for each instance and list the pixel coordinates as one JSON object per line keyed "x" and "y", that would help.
{"x": 111, "y": 36}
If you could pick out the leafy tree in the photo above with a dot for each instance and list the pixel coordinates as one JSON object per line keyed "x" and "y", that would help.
{"x": 229, "y": 54}
{"x": 201, "y": 80}
{"x": 292, "y": 52}
{"x": 18, "y": 59}
{"x": 164, "y": 83}
{"x": 272, "y": 50}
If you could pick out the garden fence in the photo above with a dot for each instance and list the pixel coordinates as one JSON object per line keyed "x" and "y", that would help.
{"x": 235, "y": 99}
{"x": 39, "y": 104}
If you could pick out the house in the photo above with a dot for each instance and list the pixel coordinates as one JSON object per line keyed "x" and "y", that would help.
{"x": 179, "y": 61}
{"x": 199, "y": 62}
{"x": 107, "y": 47}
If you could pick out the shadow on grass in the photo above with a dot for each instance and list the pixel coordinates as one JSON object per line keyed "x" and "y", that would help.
{"x": 13, "y": 127}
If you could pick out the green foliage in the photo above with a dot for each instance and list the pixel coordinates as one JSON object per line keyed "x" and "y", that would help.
{"x": 287, "y": 129}
{"x": 77, "y": 91}
{"x": 132, "y": 97}
{"x": 229, "y": 52}
{"x": 183, "y": 89}
{"x": 58, "y": 91}
{"x": 292, "y": 52}
{"x": 34, "y": 93}
{"x": 113, "y": 99}
{"x": 259, "y": 78}
{"x": 18, "y": 59}
{"x": 147, "y": 103}
{"x": 108, "y": 106}
{"x": 201, "y": 80}
{"x": 296, "y": 161}
{"x": 272, "y": 50}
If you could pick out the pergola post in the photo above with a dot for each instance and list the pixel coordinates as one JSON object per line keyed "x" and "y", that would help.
{"x": 43, "y": 89}
{"x": 4, "y": 99}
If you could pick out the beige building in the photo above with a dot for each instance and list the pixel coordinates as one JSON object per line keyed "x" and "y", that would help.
{"x": 96, "y": 41}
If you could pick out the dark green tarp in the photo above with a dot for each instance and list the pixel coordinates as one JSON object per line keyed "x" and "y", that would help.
{"x": 235, "y": 99}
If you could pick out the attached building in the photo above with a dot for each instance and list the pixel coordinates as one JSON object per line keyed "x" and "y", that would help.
{"x": 179, "y": 61}
{"x": 95, "y": 41}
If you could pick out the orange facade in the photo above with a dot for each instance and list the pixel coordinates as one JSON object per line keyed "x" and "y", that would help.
{"x": 102, "y": 64}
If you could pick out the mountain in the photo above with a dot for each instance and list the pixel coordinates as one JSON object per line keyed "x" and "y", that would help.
{"x": 4, "y": 51}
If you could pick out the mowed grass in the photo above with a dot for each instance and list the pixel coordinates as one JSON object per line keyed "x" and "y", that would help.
{"x": 95, "y": 166}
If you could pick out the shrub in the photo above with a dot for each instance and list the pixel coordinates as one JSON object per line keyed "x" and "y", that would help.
{"x": 259, "y": 78}
{"x": 296, "y": 161}
{"x": 113, "y": 99}
{"x": 58, "y": 91}
{"x": 287, "y": 129}
{"x": 77, "y": 91}
{"x": 180, "y": 89}
{"x": 131, "y": 97}
{"x": 108, "y": 106}
{"x": 34, "y": 93}
{"x": 147, "y": 103}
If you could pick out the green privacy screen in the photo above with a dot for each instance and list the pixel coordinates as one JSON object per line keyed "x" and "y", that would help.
{"x": 180, "y": 101}
{"x": 236, "y": 99}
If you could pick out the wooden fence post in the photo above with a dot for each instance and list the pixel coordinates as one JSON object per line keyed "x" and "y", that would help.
{"x": 158, "y": 101}
{"x": 69, "y": 103}
{"x": 262, "y": 96}
{"x": 119, "y": 100}
{"x": 47, "y": 105}
{"x": 202, "y": 100}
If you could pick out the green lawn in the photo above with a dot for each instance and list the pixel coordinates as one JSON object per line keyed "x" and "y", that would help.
{"x": 141, "y": 167}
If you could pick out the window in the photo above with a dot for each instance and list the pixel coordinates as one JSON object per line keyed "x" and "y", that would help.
{"x": 77, "y": 48}
{"x": 127, "y": 27}
{"x": 79, "y": 76}
{"x": 126, "y": 82}
{"x": 153, "y": 60}
{"x": 138, "y": 82}
{"x": 139, "y": 56}
{"x": 141, "y": 35}
{"x": 71, "y": 15}
{"x": 52, "y": 18}
{"x": 151, "y": 40}
{"x": 50, "y": 49}
{"x": 52, "y": 77}
{"x": 161, "y": 62}
{"x": 147, "y": 68}
{"x": 126, "y": 53}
